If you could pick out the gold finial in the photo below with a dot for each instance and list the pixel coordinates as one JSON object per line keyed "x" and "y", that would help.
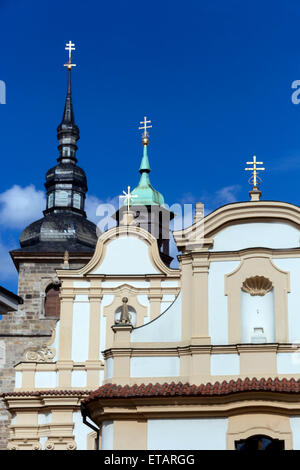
{"x": 144, "y": 127}
{"x": 254, "y": 179}
{"x": 127, "y": 197}
{"x": 70, "y": 47}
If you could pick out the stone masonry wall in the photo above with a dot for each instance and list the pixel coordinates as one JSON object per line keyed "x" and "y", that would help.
{"x": 25, "y": 329}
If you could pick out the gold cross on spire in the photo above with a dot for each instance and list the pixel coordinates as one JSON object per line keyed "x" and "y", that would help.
{"x": 254, "y": 179}
{"x": 70, "y": 47}
{"x": 127, "y": 197}
{"x": 144, "y": 127}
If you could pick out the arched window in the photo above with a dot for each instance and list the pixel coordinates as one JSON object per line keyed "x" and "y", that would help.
{"x": 259, "y": 442}
{"x": 52, "y": 302}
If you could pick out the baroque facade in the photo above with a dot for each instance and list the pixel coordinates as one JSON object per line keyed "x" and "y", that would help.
{"x": 117, "y": 350}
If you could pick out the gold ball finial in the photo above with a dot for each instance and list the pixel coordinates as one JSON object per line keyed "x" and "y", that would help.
{"x": 145, "y": 140}
{"x": 145, "y": 125}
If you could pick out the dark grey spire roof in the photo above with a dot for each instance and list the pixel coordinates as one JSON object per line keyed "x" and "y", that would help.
{"x": 64, "y": 225}
{"x": 67, "y": 131}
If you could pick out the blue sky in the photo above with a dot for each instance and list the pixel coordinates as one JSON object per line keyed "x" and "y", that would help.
{"x": 213, "y": 76}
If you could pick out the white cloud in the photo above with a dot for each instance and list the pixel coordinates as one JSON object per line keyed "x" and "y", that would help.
{"x": 8, "y": 271}
{"x": 20, "y": 206}
{"x": 227, "y": 194}
{"x": 213, "y": 200}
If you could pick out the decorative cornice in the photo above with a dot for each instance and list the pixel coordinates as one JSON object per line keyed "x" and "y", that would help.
{"x": 199, "y": 236}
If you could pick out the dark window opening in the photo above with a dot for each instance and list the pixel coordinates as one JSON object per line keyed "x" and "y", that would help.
{"x": 52, "y": 302}
{"x": 259, "y": 442}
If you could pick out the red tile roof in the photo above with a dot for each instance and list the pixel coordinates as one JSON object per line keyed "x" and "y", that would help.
{"x": 39, "y": 393}
{"x": 179, "y": 389}
{"x": 172, "y": 389}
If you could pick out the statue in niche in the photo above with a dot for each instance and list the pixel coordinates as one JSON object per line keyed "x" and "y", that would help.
{"x": 125, "y": 317}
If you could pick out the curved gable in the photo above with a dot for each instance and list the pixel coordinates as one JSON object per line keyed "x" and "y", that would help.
{"x": 242, "y": 225}
{"x": 123, "y": 251}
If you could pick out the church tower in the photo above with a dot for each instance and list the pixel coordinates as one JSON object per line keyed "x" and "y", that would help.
{"x": 63, "y": 237}
{"x": 148, "y": 205}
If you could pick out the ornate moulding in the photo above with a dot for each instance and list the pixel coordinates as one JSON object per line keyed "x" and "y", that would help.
{"x": 257, "y": 285}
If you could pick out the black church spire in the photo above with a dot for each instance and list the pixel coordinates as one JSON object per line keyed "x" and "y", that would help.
{"x": 64, "y": 225}
{"x": 67, "y": 131}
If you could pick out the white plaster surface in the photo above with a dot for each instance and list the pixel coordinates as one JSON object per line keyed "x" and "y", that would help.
{"x": 80, "y": 331}
{"x": 126, "y": 255}
{"x": 295, "y": 427}
{"x": 161, "y": 366}
{"x": 187, "y": 434}
{"x": 292, "y": 265}
{"x": 109, "y": 368}
{"x": 258, "y": 312}
{"x": 18, "y": 379}
{"x": 78, "y": 378}
{"x": 224, "y": 364}
{"x": 80, "y": 431}
{"x": 107, "y": 435}
{"x": 288, "y": 363}
{"x": 218, "y": 301}
{"x": 45, "y": 379}
{"x": 260, "y": 234}
{"x": 166, "y": 327}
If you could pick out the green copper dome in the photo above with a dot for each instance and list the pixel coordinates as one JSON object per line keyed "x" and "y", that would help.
{"x": 146, "y": 194}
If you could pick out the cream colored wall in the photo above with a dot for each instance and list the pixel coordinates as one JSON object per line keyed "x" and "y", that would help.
{"x": 199, "y": 351}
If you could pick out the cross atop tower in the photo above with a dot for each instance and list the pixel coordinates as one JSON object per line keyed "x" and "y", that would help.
{"x": 70, "y": 47}
{"x": 127, "y": 197}
{"x": 254, "y": 179}
{"x": 144, "y": 127}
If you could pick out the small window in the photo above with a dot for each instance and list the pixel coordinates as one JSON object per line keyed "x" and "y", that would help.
{"x": 52, "y": 302}
{"x": 50, "y": 200}
{"x": 77, "y": 200}
{"x": 61, "y": 198}
{"x": 259, "y": 442}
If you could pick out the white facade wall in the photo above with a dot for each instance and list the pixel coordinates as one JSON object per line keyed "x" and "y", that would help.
{"x": 187, "y": 434}
{"x": 126, "y": 255}
{"x": 80, "y": 328}
{"x": 160, "y": 366}
{"x": 292, "y": 265}
{"x": 295, "y": 427}
{"x": 258, "y": 313}
{"x": 224, "y": 364}
{"x": 166, "y": 327}
{"x": 218, "y": 301}
{"x": 80, "y": 431}
{"x": 46, "y": 379}
{"x": 107, "y": 435}
{"x": 261, "y": 234}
